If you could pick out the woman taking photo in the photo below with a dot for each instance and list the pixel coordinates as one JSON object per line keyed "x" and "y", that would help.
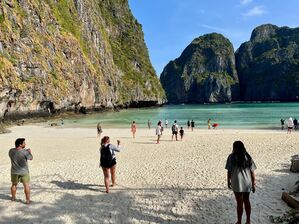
{"x": 108, "y": 160}
{"x": 241, "y": 178}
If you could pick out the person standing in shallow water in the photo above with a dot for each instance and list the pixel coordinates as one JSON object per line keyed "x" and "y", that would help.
{"x": 149, "y": 124}
{"x": 19, "y": 168}
{"x": 295, "y": 124}
{"x": 282, "y": 123}
{"x": 133, "y": 128}
{"x": 188, "y": 124}
{"x": 108, "y": 163}
{"x": 209, "y": 123}
{"x": 241, "y": 178}
{"x": 192, "y": 125}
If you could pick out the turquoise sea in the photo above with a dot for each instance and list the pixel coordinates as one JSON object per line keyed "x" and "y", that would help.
{"x": 235, "y": 115}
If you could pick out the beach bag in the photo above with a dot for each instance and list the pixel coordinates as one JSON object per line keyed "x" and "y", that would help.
{"x": 106, "y": 156}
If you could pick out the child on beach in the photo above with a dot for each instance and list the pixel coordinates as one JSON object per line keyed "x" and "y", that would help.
{"x": 108, "y": 160}
{"x": 182, "y": 133}
{"x": 241, "y": 178}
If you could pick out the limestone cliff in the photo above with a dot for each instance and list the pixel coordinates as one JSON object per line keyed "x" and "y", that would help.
{"x": 268, "y": 64}
{"x": 205, "y": 72}
{"x": 69, "y": 54}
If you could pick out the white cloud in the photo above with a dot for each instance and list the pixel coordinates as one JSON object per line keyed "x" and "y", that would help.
{"x": 245, "y": 2}
{"x": 255, "y": 11}
{"x": 215, "y": 28}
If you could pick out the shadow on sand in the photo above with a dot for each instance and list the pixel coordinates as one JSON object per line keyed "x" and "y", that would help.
{"x": 158, "y": 204}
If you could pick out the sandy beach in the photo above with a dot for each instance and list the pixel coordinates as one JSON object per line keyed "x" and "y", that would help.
{"x": 172, "y": 182}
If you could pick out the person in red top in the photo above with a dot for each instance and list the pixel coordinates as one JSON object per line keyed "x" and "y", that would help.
{"x": 215, "y": 125}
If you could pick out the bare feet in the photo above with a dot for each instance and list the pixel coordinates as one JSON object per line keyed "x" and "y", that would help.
{"x": 27, "y": 202}
{"x": 13, "y": 199}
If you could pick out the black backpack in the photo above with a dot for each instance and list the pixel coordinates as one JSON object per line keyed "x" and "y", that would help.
{"x": 106, "y": 156}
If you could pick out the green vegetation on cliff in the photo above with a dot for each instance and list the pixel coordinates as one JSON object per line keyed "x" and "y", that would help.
{"x": 205, "y": 72}
{"x": 71, "y": 53}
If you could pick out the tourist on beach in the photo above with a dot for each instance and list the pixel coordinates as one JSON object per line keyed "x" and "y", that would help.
{"x": 149, "y": 124}
{"x": 166, "y": 123}
{"x": 159, "y": 131}
{"x": 174, "y": 129}
{"x": 182, "y": 133}
{"x": 241, "y": 178}
{"x": 209, "y": 123}
{"x": 295, "y": 124}
{"x": 282, "y": 123}
{"x": 99, "y": 130}
{"x": 133, "y": 128}
{"x": 215, "y": 125}
{"x": 162, "y": 128}
{"x": 290, "y": 125}
{"x": 188, "y": 124}
{"x": 192, "y": 125}
{"x": 19, "y": 168}
{"x": 108, "y": 160}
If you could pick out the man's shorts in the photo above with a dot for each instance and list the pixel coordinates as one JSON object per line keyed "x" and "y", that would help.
{"x": 15, "y": 178}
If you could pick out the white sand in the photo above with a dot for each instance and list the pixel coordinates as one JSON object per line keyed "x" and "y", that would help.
{"x": 173, "y": 182}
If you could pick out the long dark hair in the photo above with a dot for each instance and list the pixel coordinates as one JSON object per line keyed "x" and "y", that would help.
{"x": 240, "y": 156}
{"x": 104, "y": 141}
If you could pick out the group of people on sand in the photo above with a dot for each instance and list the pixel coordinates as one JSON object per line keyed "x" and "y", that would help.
{"x": 292, "y": 124}
{"x": 174, "y": 130}
{"x": 239, "y": 165}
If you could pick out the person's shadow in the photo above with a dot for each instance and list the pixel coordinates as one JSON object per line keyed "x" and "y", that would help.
{"x": 72, "y": 185}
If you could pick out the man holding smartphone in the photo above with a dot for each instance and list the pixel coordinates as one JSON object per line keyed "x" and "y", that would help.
{"x": 19, "y": 168}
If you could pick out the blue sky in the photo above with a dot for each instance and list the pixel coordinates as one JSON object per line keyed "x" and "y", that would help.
{"x": 170, "y": 25}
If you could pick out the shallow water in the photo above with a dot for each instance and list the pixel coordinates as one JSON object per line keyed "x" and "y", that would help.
{"x": 237, "y": 115}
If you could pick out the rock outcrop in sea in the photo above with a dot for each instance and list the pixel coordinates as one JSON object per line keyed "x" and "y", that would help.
{"x": 204, "y": 73}
{"x": 72, "y": 55}
{"x": 266, "y": 68}
{"x": 268, "y": 64}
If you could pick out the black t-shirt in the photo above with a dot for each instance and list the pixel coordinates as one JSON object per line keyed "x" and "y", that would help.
{"x": 181, "y": 132}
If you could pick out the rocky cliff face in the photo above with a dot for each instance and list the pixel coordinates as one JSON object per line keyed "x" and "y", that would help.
{"x": 69, "y": 54}
{"x": 268, "y": 64}
{"x": 205, "y": 72}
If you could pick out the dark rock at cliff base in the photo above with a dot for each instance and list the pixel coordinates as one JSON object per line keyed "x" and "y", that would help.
{"x": 3, "y": 129}
{"x": 268, "y": 64}
{"x": 71, "y": 54}
{"x": 205, "y": 72}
